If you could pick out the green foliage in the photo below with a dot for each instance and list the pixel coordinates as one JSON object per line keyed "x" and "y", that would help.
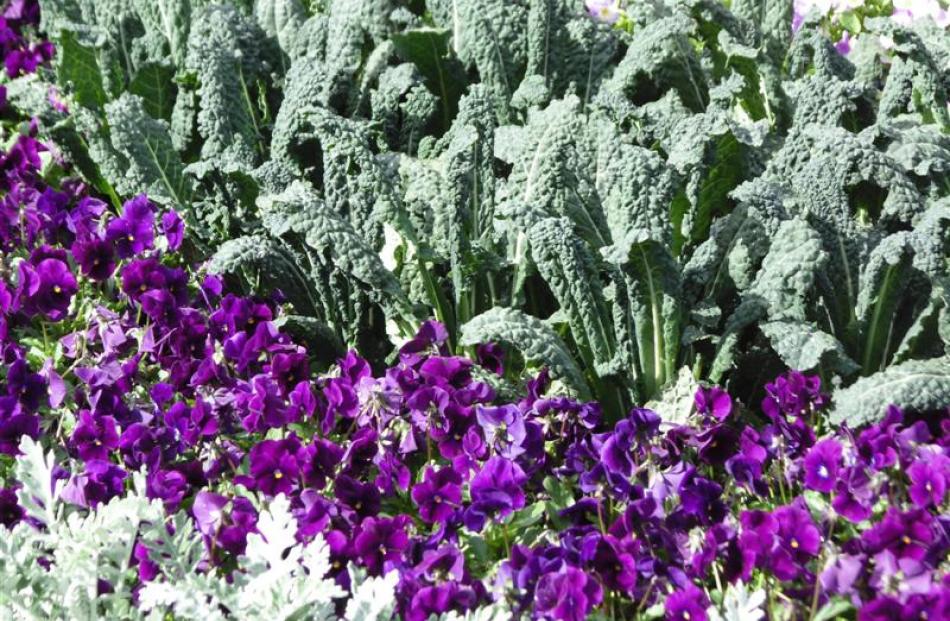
{"x": 696, "y": 187}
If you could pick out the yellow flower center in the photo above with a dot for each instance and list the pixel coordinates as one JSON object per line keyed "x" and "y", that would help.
{"x": 358, "y": 505}
{"x": 278, "y": 475}
{"x": 57, "y": 289}
{"x": 794, "y": 544}
{"x": 131, "y": 238}
{"x": 142, "y": 287}
{"x": 437, "y": 499}
{"x": 906, "y": 540}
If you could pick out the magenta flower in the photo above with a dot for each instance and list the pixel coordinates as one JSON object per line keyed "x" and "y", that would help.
{"x": 134, "y": 232}
{"x": 439, "y": 494}
{"x": 821, "y": 465}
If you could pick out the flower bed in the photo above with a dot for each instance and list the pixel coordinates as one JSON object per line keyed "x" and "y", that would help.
{"x": 172, "y": 449}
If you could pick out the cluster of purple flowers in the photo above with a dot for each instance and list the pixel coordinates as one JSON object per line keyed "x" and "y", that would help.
{"x": 124, "y": 358}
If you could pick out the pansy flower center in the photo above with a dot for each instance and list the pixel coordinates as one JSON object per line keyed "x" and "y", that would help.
{"x": 278, "y": 475}
{"x": 929, "y": 486}
{"x": 57, "y": 289}
{"x": 794, "y": 544}
{"x": 906, "y": 540}
{"x": 437, "y": 499}
{"x": 131, "y": 238}
{"x": 823, "y": 471}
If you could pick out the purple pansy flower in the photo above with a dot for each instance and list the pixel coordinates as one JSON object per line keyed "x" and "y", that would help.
{"x": 94, "y": 436}
{"x": 928, "y": 480}
{"x": 173, "y": 229}
{"x": 798, "y": 541}
{"x": 96, "y": 257}
{"x": 10, "y": 510}
{"x": 438, "y": 495}
{"x": 496, "y": 492}
{"x": 687, "y": 604}
{"x": 380, "y": 540}
{"x": 134, "y": 232}
{"x": 714, "y": 402}
{"x": 568, "y": 595}
{"x": 504, "y": 428}
{"x": 274, "y": 465}
{"x": 47, "y": 288}
{"x": 821, "y": 465}
{"x": 98, "y": 483}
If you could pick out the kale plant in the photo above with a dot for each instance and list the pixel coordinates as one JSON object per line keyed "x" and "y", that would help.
{"x": 695, "y": 188}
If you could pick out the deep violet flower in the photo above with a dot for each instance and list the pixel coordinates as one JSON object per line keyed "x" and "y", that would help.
{"x": 14, "y": 424}
{"x": 174, "y": 229}
{"x": 615, "y": 566}
{"x": 10, "y": 510}
{"x": 567, "y": 595}
{"x": 380, "y": 540}
{"x": 27, "y": 387}
{"x": 822, "y": 464}
{"x": 94, "y": 437}
{"x": 854, "y": 494}
{"x": 274, "y": 466}
{"x": 714, "y": 402}
{"x": 616, "y": 451}
{"x": 492, "y": 357}
{"x": 98, "y": 483}
{"x": 905, "y": 534}
{"x": 96, "y": 257}
{"x": 504, "y": 428}
{"x": 496, "y": 492}
{"x": 687, "y": 604}
{"x": 438, "y": 495}
{"x": 928, "y": 480}
{"x": 798, "y": 541}
{"x": 134, "y": 232}
{"x": 47, "y": 288}
{"x": 363, "y": 498}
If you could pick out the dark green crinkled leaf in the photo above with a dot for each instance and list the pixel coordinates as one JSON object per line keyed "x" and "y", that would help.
{"x": 916, "y": 385}
{"x": 535, "y": 341}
